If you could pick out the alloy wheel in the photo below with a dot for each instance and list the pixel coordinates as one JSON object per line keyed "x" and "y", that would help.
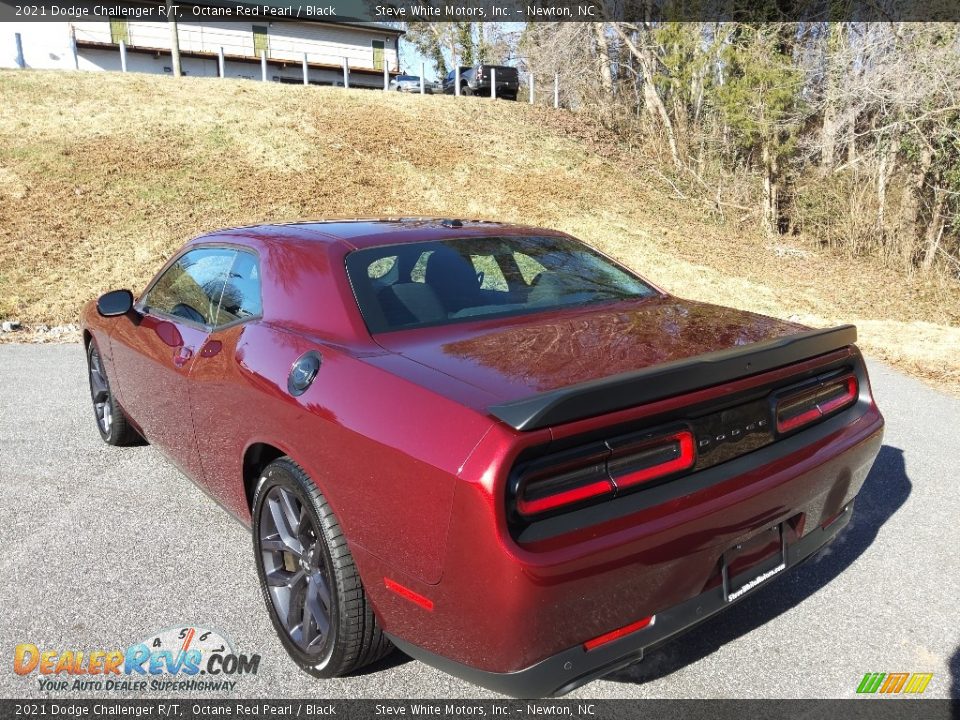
{"x": 295, "y": 570}
{"x": 100, "y": 392}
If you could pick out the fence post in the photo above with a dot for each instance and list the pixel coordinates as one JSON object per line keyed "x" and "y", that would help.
{"x": 530, "y": 80}
{"x": 306, "y": 71}
{"x": 493, "y": 83}
{"x": 73, "y": 48}
{"x": 456, "y": 81}
{"x": 423, "y": 70}
{"x": 556, "y": 90}
{"x": 222, "y": 63}
{"x": 346, "y": 73}
{"x": 386, "y": 72}
{"x": 263, "y": 65}
{"x": 175, "y": 62}
{"x": 123, "y": 56}
{"x": 18, "y": 39}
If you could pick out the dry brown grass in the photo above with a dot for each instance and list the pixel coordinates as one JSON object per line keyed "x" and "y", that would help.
{"x": 102, "y": 176}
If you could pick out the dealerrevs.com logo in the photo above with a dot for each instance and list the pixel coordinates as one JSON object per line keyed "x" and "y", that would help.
{"x": 184, "y": 658}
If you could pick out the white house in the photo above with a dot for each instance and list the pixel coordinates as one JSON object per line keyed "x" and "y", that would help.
{"x": 96, "y": 45}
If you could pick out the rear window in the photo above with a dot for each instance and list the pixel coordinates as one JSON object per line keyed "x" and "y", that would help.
{"x": 435, "y": 283}
{"x": 504, "y": 71}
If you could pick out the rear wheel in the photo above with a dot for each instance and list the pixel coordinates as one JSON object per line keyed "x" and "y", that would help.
{"x": 466, "y": 91}
{"x": 113, "y": 425}
{"x": 308, "y": 578}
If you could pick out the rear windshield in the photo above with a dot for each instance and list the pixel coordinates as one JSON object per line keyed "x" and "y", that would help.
{"x": 503, "y": 71}
{"x": 434, "y": 283}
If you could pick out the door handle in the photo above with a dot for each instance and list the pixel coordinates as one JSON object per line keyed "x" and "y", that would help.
{"x": 182, "y": 356}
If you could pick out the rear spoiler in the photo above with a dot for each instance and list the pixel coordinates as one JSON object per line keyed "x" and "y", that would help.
{"x": 617, "y": 392}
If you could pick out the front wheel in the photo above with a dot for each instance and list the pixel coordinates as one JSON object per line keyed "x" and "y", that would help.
{"x": 113, "y": 425}
{"x": 308, "y": 578}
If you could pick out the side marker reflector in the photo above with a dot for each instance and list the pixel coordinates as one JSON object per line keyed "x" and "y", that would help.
{"x": 408, "y": 594}
{"x": 617, "y": 634}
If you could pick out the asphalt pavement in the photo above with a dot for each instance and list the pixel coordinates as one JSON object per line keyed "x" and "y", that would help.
{"x": 103, "y": 547}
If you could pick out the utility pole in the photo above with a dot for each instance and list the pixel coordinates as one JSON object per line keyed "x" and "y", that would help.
{"x": 174, "y": 40}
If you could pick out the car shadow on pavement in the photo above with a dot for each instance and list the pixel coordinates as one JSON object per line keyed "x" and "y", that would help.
{"x": 885, "y": 490}
{"x": 395, "y": 659}
{"x": 954, "y": 667}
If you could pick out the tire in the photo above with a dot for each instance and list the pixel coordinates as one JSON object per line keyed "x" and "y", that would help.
{"x": 466, "y": 91}
{"x": 112, "y": 422}
{"x": 319, "y": 580}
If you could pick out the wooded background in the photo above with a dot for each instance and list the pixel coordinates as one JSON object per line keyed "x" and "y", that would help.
{"x": 843, "y": 134}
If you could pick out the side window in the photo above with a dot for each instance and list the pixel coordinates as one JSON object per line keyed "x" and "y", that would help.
{"x": 192, "y": 286}
{"x": 241, "y": 297}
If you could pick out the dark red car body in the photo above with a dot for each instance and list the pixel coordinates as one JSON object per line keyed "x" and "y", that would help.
{"x": 398, "y": 433}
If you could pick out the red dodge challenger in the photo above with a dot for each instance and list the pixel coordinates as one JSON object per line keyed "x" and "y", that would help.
{"x": 488, "y": 445}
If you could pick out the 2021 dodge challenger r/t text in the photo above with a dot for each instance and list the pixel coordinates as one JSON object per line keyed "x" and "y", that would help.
{"x": 488, "y": 445}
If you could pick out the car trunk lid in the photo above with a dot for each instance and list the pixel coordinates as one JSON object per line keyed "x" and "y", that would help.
{"x": 516, "y": 358}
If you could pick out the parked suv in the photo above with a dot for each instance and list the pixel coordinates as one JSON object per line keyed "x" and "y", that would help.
{"x": 476, "y": 81}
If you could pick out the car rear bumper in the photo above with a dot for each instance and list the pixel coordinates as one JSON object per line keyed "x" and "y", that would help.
{"x": 567, "y": 670}
{"x": 511, "y": 613}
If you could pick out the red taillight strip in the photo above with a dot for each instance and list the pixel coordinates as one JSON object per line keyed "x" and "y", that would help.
{"x": 550, "y": 502}
{"x": 683, "y": 461}
{"x": 408, "y": 594}
{"x": 617, "y": 634}
{"x": 820, "y": 409}
{"x": 841, "y": 400}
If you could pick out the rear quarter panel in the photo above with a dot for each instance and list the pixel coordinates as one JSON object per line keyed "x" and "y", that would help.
{"x": 384, "y": 451}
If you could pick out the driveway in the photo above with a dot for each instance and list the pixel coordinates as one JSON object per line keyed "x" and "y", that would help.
{"x": 103, "y": 547}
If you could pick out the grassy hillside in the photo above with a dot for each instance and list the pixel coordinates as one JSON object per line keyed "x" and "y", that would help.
{"x": 102, "y": 176}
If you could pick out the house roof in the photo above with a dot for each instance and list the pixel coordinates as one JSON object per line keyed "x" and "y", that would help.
{"x": 382, "y": 28}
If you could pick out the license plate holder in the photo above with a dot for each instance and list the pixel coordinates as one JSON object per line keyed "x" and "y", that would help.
{"x": 751, "y": 562}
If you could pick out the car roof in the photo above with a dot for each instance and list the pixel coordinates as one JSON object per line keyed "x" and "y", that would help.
{"x": 369, "y": 232}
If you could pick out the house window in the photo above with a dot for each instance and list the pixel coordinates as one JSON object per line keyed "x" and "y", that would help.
{"x": 378, "y": 54}
{"x": 119, "y": 32}
{"x": 261, "y": 40}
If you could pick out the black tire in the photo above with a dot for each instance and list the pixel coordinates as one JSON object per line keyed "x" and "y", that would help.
{"x": 112, "y": 422}
{"x": 353, "y": 637}
{"x": 466, "y": 91}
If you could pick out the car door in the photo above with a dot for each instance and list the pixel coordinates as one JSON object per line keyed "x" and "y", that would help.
{"x": 226, "y": 409}
{"x": 154, "y": 357}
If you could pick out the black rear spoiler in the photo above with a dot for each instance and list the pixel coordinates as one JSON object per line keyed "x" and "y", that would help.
{"x": 617, "y": 392}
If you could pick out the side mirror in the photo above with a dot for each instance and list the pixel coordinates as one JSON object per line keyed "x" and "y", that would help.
{"x": 115, "y": 302}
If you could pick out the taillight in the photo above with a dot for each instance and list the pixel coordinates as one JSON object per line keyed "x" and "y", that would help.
{"x": 640, "y": 459}
{"x": 479, "y": 72}
{"x": 807, "y": 406}
{"x": 565, "y": 479}
{"x": 601, "y": 469}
